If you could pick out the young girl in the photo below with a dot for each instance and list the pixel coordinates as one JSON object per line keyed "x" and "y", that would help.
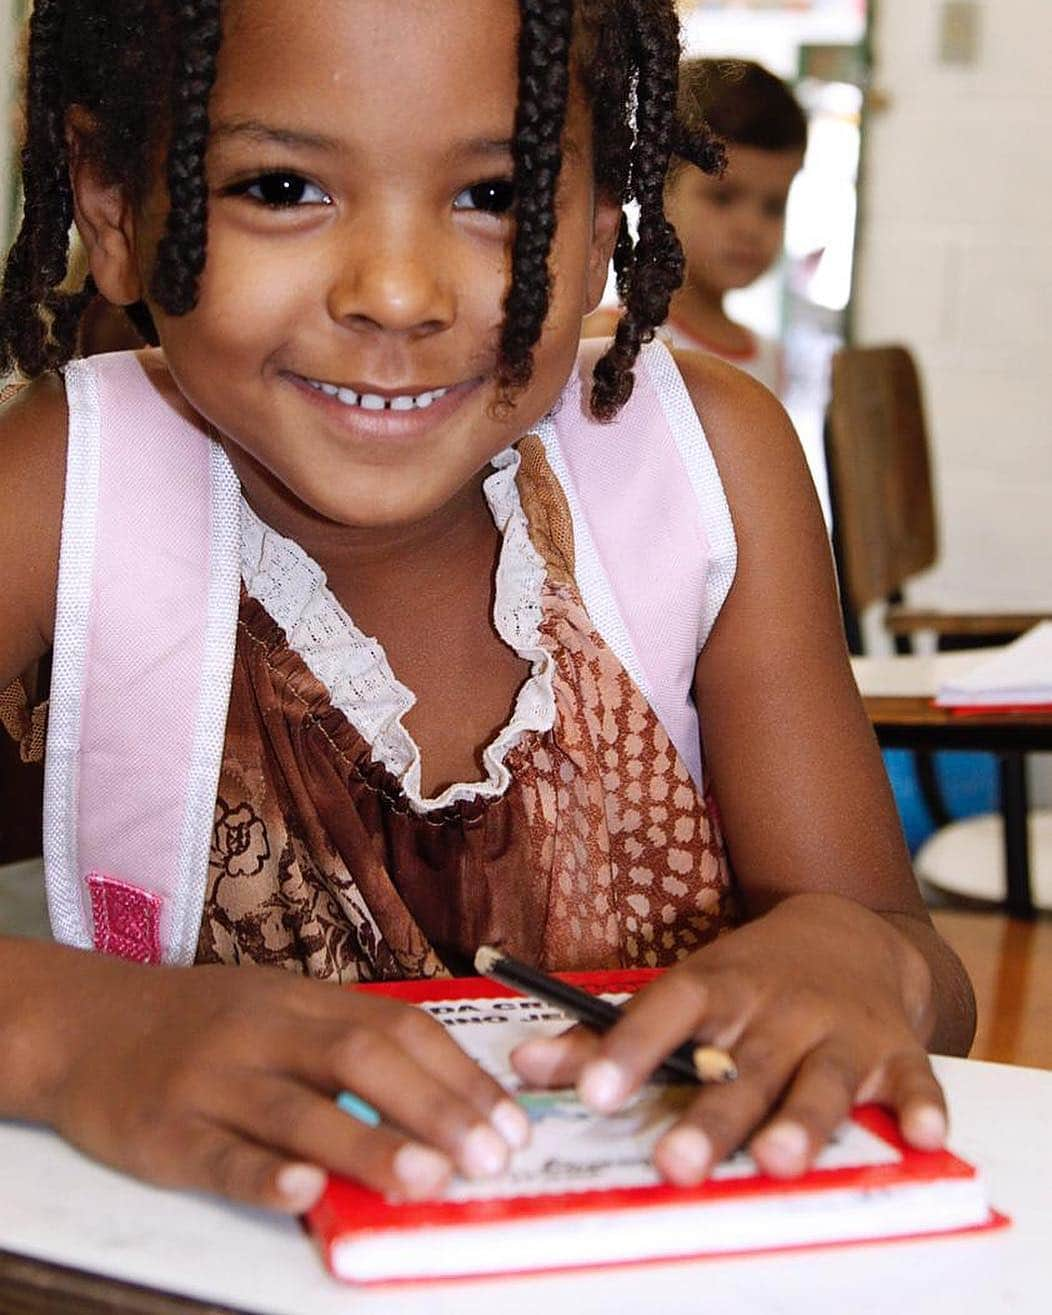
{"x": 732, "y": 227}
{"x": 364, "y": 234}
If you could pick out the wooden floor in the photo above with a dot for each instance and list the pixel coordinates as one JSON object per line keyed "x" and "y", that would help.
{"x": 1010, "y": 964}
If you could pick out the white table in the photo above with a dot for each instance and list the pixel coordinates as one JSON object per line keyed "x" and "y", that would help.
{"x": 56, "y": 1206}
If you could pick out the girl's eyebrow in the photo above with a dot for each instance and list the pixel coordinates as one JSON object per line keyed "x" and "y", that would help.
{"x": 257, "y": 131}
{"x": 485, "y": 146}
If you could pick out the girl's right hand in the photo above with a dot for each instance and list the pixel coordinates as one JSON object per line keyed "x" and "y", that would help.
{"x": 224, "y": 1079}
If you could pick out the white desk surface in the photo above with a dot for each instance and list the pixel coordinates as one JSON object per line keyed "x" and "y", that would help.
{"x": 57, "y": 1206}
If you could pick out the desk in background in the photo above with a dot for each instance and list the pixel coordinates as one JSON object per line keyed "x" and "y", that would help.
{"x": 897, "y": 693}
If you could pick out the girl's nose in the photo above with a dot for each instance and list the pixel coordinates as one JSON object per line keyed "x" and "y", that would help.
{"x": 395, "y": 282}
{"x": 752, "y": 223}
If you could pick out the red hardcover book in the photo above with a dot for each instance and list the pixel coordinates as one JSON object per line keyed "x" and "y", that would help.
{"x": 584, "y": 1192}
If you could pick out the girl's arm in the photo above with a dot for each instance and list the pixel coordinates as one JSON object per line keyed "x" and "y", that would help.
{"x": 801, "y": 784}
{"x": 216, "y": 1078}
{"x": 224, "y": 1079}
{"x": 837, "y": 984}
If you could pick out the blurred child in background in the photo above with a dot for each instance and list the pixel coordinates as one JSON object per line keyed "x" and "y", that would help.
{"x": 732, "y": 227}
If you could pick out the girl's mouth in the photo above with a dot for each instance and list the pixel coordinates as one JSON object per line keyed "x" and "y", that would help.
{"x": 419, "y": 400}
{"x": 370, "y": 412}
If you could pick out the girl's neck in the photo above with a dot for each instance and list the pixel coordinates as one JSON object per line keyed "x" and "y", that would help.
{"x": 359, "y": 560}
{"x": 699, "y": 310}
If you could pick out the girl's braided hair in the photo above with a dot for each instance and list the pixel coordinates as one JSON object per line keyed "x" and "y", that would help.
{"x": 143, "y": 68}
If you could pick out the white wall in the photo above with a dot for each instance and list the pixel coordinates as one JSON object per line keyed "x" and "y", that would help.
{"x": 8, "y": 80}
{"x": 956, "y": 261}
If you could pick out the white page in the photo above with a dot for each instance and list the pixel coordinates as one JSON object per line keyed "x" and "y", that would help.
{"x": 575, "y": 1150}
{"x": 1019, "y": 673}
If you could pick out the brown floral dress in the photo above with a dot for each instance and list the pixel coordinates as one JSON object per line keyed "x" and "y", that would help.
{"x": 587, "y": 846}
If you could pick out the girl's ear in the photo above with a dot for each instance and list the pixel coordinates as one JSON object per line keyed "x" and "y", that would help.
{"x": 605, "y": 228}
{"x": 104, "y": 216}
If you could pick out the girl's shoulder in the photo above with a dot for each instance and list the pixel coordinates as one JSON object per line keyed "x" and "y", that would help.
{"x": 31, "y": 414}
{"x": 745, "y": 425}
{"x": 731, "y": 403}
{"x": 33, "y": 425}
{"x": 36, "y": 420}
{"x": 131, "y": 380}
{"x": 752, "y": 439}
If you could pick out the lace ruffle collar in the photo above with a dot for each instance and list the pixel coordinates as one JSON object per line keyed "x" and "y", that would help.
{"x": 354, "y": 669}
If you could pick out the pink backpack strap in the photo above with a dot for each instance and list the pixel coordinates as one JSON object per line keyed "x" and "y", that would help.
{"x": 654, "y": 542}
{"x": 145, "y": 625}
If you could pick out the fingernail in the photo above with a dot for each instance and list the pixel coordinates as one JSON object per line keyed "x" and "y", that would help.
{"x": 301, "y": 1184}
{"x": 686, "y": 1154}
{"x": 602, "y": 1086}
{"x": 421, "y": 1171}
{"x": 484, "y": 1154}
{"x": 541, "y": 1058}
{"x": 784, "y": 1147}
{"x": 925, "y": 1127}
{"x": 511, "y": 1122}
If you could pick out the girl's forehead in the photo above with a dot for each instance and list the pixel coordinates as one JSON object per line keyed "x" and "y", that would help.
{"x": 374, "y": 53}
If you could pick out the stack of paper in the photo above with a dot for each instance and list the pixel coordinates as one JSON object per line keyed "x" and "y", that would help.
{"x": 1017, "y": 676}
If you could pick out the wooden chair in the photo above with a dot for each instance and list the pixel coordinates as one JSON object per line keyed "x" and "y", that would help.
{"x": 885, "y": 532}
{"x": 884, "y": 515}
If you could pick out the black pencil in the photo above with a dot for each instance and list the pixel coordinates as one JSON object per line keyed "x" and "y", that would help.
{"x": 687, "y": 1063}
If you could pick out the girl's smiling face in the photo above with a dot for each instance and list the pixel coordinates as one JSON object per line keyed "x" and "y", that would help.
{"x": 359, "y": 171}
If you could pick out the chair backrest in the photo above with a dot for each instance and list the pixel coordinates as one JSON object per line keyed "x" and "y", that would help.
{"x": 880, "y": 475}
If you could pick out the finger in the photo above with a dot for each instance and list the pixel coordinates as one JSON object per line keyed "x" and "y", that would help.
{"x": 555, "y": 1061}
{"x": 412, "y": 1089}
{"x": 219, "y": 1160}
{"x": 435, "y": 1050}
{"x": 431, "y": 1045}
{"x": 723, "y": 1117}
{"x": 817, "y": 1101}
{"x": 308, "y": 1126}
{"x": 907, "y": 1085}
{"x": 678, "y": 1006}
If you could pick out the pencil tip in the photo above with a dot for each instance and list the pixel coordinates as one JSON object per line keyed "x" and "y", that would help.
{"x": 714, "y": 1065}
{"x": 486, "y": 956}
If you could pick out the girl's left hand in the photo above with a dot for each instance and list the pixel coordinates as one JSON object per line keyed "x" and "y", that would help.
{"x": 823, "y": 1003}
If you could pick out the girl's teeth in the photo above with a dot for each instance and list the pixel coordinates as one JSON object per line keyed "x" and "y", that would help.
{"x": 374, "y": 402}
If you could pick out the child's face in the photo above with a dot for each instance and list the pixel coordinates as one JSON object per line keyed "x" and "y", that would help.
{"x": 384, "y": 126}
{"x": 732, "y": 227}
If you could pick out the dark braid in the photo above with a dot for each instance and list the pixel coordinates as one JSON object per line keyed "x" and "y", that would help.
{"x": 181, "y": 253}
{"x": 649, "y": 273}
{"x": 143, "y": 71}
{"x": 35, "y": 319}
{"x": 627, "y": 55}
{"x": 544, "y": 87}
{"x": 135, "y": 66}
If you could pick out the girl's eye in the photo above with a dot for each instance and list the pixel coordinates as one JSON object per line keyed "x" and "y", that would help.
{"x": 496, "y": 196}
{"x": 282, "y": 191}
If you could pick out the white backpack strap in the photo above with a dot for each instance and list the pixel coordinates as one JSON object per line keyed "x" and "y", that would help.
{"x": 144, "y": 642}
{"x": 653, "y": 538}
